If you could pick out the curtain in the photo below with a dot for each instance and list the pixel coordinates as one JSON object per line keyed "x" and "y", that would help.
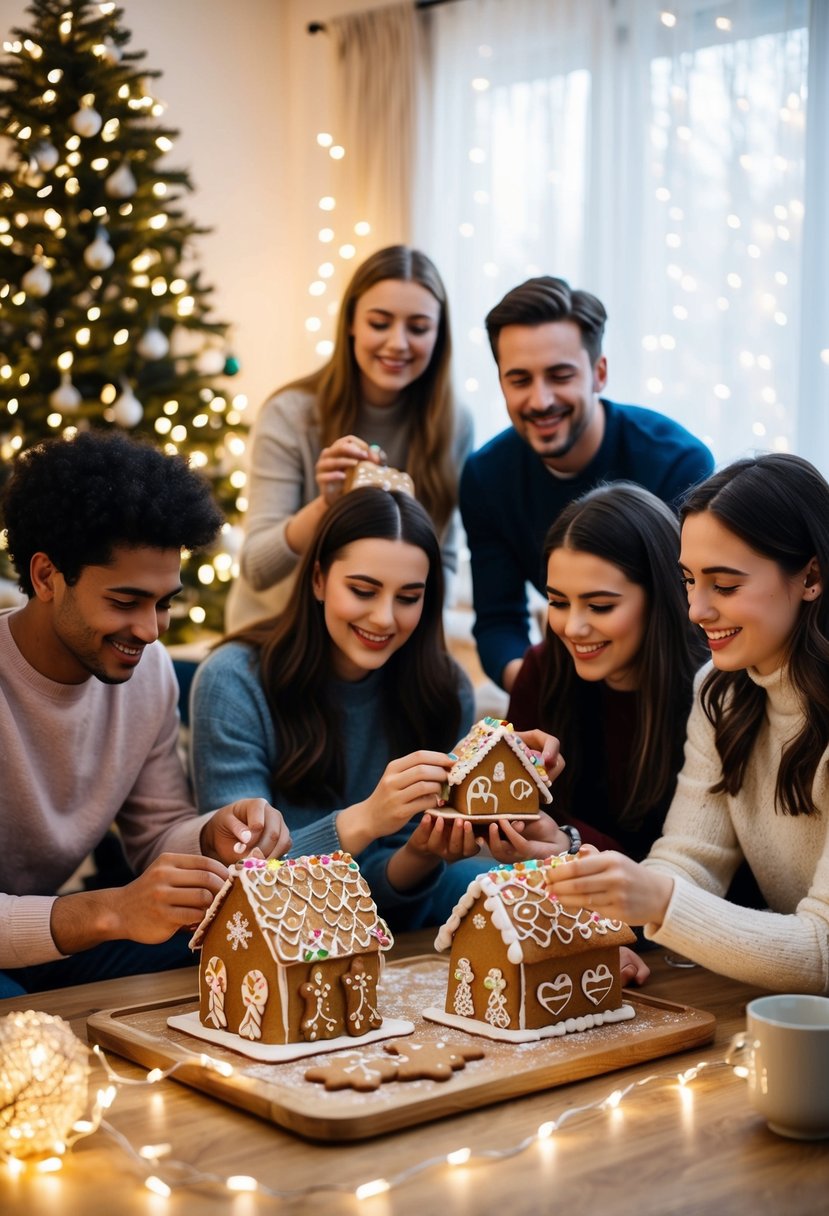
{"x": 377, "y": 54}
{"x": 668, "y": 155}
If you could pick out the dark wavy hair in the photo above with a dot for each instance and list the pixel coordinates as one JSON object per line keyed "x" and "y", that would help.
{"x": 78, "y": 499}
{"x": 419, "y": 681}
{"x": 546, "y": 299}
{"x": 430, "y": 398}
{"x": 778, "y": 505}
{"x": 632, "y": 529}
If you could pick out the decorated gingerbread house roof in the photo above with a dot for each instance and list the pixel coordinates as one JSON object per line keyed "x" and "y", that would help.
{"x": 532, "y": 926}
{"x": 306, "y": 908}
{"x": 480, "y": 741}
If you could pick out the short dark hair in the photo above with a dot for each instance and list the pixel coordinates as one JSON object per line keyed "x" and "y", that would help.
{"x": 547, "y": 299}
{"x": 77, "y": 499}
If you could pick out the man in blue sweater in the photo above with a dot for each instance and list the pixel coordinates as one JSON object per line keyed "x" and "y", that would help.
{"x": 565, "y": 438}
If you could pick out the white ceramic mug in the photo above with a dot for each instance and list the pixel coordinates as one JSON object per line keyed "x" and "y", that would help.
{"x": 786, "y": 1047}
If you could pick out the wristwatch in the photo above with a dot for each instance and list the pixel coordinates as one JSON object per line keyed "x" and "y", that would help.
{"x": 574, "y": 834}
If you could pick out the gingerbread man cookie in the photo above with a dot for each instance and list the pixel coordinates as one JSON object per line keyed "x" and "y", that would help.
{"x": 431, "y": 1061}
{"x": 362, "y": 1073}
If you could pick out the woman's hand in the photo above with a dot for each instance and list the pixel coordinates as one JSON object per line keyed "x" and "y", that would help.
{"x": 232, "y": 832}
{"x": 547, "y": 748}
{"x": 449, "y": 839}
{"x": 515, "y": 840}
{"x": 612, "y": 885}
{"x": 412, "y": 784}
{"x": 634, "y": 970}
{"x": 335, "y": 461}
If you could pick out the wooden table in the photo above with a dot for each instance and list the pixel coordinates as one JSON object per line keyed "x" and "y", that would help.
{"x": 656, "y": 1153}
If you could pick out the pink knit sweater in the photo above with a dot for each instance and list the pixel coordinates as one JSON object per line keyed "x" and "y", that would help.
{"x": 73, "y": 759}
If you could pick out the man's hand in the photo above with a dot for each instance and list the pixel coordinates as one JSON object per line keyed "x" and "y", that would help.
{"x": 230, "y": 833}
{"x": 173, "y": 893}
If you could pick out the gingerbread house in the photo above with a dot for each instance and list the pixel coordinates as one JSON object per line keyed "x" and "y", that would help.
{"x": 367, "y": 473}
{"x": 521, "y": 968}
{"x": 495, "y": 775}
{"x": 291, "y": 951}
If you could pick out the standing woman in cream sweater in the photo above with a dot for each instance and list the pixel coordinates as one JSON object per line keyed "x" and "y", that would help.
{"x": 755, "y": 784}
{"x": 386, "y": 392}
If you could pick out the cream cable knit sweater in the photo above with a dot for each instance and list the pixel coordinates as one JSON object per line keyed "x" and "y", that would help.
{"x": 705, "y": 836}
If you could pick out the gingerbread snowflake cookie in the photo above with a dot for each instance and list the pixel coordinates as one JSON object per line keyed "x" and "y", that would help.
{"x": 362, "y": 1073}
{"x": 431, "y": 1061}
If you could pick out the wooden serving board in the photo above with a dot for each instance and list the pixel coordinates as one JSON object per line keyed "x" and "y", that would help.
{"x": 280, "y": 1093}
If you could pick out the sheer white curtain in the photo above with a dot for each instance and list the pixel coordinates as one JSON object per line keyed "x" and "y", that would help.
{"x": 656, "y": 153}
{"x": 375, "y": 116}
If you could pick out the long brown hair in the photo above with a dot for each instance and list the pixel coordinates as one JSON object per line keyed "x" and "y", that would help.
{"x": 631, "y": 528}
{"x": 419, "y": 681}
{"x": 778, "y": 505}
{"x": 429, "y": 399}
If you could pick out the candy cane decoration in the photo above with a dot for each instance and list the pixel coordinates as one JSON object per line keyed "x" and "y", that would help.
{"x": 215, "y": 976}
{"x": 254, "y": 998}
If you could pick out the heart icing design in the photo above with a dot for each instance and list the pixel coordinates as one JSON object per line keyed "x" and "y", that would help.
{"x": 555, "y": 996}
{"x": 596, "y": 984}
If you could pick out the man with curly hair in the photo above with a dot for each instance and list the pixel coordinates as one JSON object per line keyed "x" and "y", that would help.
{"x": 89, "y": 721}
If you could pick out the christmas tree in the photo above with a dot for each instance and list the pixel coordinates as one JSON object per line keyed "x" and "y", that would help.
{"x": 104, "y": 317}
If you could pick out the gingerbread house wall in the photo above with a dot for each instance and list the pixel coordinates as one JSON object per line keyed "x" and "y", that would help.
{"x": 285, "y": 1008}
{"x": 537, "y": 994}
{"x": 466, "y": 798}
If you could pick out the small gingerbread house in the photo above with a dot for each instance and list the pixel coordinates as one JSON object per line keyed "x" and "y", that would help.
{"x": 291, "y": 951}
{"x": 367, "y": 473}
{"x": 522, "y": 968}
{"x": 495, "y": 775}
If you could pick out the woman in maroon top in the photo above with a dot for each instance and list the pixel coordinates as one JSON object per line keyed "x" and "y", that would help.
{"x": 613, "y": 677}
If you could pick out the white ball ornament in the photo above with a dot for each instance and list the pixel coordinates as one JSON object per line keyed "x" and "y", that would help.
{"x": 121, "y": 183}
{"x": 44, "y": 1083}
{"x": 210, "y": 362}
{"x": 86, "y": 122}
{"x": 111, "y": 53}
{"x": 37, "y": 281}
{"x": 65, "y": 397}
{"x": 47, "y": 156}
{"x": 127, "y": 410}
{"x": 153, "y": 344}
{"x": 99, "y": 255}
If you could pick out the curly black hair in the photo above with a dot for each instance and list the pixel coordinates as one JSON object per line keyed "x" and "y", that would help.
{"x": 77, "y": 499}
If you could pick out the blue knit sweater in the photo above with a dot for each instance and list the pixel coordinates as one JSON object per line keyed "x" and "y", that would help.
{"x": 509, "y": 499}
{"x": 233, "y": 751}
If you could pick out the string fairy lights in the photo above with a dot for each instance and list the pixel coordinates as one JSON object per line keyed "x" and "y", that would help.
{"x": 162, "y": 1174}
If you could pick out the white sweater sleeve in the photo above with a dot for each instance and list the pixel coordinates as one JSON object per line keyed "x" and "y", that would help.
{"x": 705, "y": 837}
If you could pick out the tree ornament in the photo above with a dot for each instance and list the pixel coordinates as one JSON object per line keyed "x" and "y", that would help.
{"x": 47, "y": 156}
{"x": 86, "y": 122}
{"x": 127, "y": 410}
{"x": 65, "y": 397}
{"x": 37, "y": 281}
{"x": 210, "y": 362}
{"x": 44, "y": 1083}
{"x": 111, "y": 53}
{"x": 99, "y": 255}
{"x": 153, "y": 343}
{"x": 121, "y": 183}
{"x": 232, "y": 366}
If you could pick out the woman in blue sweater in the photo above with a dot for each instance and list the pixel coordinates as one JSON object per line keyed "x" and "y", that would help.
{"x": 341, "y": 710}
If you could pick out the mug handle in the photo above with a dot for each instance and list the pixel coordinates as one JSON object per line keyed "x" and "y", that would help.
{"x": 735, "y": 1054}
